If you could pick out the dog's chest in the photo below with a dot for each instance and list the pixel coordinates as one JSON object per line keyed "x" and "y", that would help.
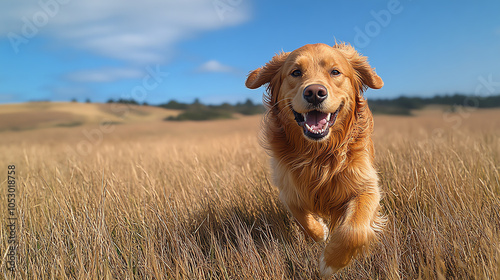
{"x": 305, "y": 184}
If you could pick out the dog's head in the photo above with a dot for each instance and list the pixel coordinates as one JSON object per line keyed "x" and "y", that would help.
{"x": 316, "y": 87}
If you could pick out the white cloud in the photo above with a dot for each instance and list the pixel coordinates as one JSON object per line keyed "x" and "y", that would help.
{"x": 136, "y": 31}
{"x": 214, "y": 66}
{"x": 104, "y": 75}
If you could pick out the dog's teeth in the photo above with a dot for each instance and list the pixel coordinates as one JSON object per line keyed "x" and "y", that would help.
{"x": 304, "y": 116}
{"x": 308, "y": 127}
{"x": 329, "y": 116}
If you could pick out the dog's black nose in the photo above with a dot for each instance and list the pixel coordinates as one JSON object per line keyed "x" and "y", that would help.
{"x": 315, "y": 94}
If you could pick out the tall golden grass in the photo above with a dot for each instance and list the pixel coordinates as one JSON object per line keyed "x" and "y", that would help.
{"x": 193, "y": 201}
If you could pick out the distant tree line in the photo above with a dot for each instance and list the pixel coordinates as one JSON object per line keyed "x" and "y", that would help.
{"x": 403, "y": 105}
{"x": 127, "y": 101}
{"x": 87, "y": 100}
{"x": 199, "y": 111}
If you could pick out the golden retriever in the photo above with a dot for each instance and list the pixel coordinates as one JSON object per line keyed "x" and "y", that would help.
{"x": 318, "y": 130}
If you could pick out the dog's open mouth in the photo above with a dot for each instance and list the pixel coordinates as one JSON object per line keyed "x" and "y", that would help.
{"x": 316, "y": 124}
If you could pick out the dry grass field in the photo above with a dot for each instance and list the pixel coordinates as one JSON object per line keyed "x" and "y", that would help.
{"x": 192, "y": 200}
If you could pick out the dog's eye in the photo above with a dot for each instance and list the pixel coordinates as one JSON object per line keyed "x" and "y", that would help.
{"x": 335, "y": 72}
{"x": 296, "y": 73}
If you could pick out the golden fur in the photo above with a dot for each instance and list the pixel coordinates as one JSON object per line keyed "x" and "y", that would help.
{"x": 332, "y": 178}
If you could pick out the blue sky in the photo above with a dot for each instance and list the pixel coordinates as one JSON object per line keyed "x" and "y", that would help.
{"x": 158, "y": 50}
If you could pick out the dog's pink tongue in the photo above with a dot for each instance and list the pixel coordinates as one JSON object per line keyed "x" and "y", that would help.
{"x": 316, "y": 119}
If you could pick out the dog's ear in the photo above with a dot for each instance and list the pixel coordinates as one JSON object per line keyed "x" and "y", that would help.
{"x": 265, "y": 74}
{"x": 360, "y": 64}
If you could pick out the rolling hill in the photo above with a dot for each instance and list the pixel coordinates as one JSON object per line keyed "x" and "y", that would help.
{"x": 34, "y": 115}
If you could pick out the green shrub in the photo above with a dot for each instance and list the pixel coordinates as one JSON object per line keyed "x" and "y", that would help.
{"x": 201, "y": 114}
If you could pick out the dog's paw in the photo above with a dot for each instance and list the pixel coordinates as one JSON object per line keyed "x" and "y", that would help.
{"x": 326, "y": 271}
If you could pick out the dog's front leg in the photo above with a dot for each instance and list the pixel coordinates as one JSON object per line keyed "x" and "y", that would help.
{"x": 356, "y": 228}
{"x": 313, "y": 228}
